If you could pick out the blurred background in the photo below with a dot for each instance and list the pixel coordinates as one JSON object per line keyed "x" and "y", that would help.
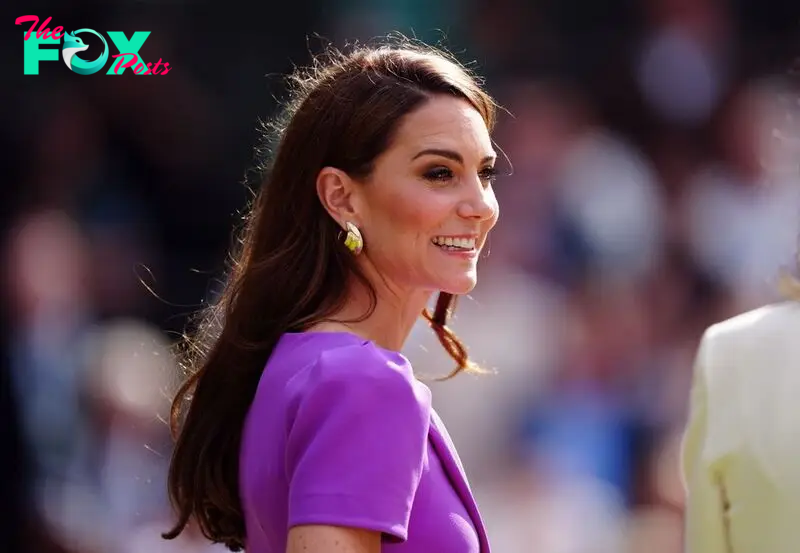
{"x": 654, "y": 192}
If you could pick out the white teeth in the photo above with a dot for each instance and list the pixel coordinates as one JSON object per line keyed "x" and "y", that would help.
{"x": 463, "y": 243}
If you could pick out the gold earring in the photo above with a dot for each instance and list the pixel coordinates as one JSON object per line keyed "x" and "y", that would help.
{"x": 353, "y": 240}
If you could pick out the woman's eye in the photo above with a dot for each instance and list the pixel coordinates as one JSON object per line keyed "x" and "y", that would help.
{"x": 488, "y": 174}
{"x": 439, "y": 174}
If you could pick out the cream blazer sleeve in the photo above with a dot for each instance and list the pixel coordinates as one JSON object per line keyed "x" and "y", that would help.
{"x": 740, "y": 457}
{"x": 704, "y": 526}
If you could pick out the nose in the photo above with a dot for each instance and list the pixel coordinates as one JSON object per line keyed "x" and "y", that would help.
{"x": 481, "y": 205}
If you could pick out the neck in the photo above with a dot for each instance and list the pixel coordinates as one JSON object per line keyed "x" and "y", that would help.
{"x": 389, "y": 325}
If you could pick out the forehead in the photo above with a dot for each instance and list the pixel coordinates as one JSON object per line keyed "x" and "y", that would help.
{"x": 445, "y": 122}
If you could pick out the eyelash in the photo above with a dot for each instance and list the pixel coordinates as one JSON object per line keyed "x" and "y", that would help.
{"x": 487, "y": 174}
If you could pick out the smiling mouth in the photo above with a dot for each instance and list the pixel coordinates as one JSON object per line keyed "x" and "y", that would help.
{"x": 457, "y": 244}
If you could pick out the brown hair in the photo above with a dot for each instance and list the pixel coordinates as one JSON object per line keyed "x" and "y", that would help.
{"x": 290, "y": 269}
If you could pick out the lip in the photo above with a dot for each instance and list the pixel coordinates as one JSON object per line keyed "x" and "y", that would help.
{"x": 463, "y": 254}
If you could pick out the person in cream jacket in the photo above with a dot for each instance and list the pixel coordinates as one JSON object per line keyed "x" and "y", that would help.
{"x": 740, "y": 456}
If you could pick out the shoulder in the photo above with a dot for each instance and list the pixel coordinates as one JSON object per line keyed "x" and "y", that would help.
{"x": 743, "y": 388}
{"x": 752, "y": 345}
{"x": 357, "y": 374}
{"x": 732, "y": 363}
{"x": 779, "y": 321}
{"x": 363, "y": 366}
{"x": 356, "y": 435}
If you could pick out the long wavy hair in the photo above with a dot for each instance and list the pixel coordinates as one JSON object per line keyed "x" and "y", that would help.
{"x": 289, "y": 269}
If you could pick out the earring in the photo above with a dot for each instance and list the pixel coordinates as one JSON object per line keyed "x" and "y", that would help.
{"x": 353, "y": 240}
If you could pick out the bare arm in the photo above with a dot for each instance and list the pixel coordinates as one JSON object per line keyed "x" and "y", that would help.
{"x": 332, "y": 539}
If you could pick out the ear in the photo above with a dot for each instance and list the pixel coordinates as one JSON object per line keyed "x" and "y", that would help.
{"x": 338, "y": 193}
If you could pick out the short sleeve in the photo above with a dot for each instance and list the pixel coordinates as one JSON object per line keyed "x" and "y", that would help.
{"x": 356, "y": 444}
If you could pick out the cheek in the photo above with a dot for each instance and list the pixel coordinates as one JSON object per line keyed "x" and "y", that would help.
{"x": 410, "y": 216}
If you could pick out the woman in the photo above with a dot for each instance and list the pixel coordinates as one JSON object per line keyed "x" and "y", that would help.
{"x": 741, "y": 450}
{"x": 306, "y": 430}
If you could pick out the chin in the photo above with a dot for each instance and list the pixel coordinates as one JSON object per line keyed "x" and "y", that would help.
{"x": 463, "y": 284}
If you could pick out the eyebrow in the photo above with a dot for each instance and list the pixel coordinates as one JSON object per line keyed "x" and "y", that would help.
{"x": 450, "y": 154}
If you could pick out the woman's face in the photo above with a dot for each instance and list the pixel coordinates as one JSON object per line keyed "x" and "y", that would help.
{"x": 428, "y": 206}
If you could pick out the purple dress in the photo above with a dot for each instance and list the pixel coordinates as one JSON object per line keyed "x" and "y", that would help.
{"x": 341, "y": 433}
